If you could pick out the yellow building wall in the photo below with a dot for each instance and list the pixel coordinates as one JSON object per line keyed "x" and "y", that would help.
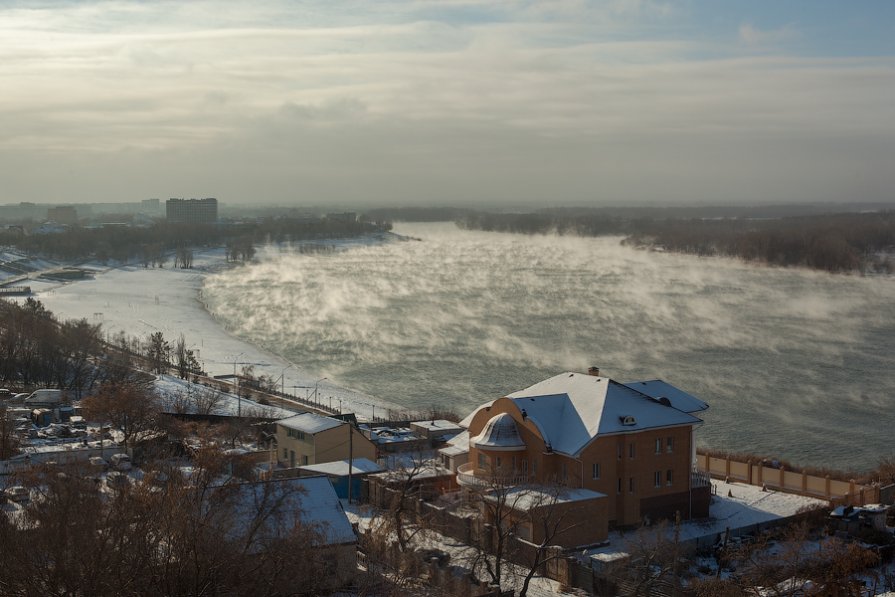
{"x": 327, "y": 446}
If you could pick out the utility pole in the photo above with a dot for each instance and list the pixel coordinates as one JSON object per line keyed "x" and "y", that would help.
{"x": 350, "y": 457}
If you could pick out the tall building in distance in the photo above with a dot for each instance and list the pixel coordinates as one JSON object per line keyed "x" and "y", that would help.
{"x": 192, "y": 211}
{"x": 63, "y": 214}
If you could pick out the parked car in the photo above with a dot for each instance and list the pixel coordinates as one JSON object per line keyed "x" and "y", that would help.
{"x": 44, "y": 397}
{"x": 98, "y": 462}
{"x": 121, "y": 462}
{"x": 5, "y": 394}
{"x": 17, "y": 493}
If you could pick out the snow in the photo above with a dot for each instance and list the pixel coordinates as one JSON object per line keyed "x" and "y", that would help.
{"x": 739, "y": 505}
{"x": 310, "y": 423}
{"x": 461, "y": 555}
{"x": 735, "y": 506}
{"x": 524, "y": 498}
{"x": 170, "y": 387}
{"x": 499, "y": 433}
{"x": 457, "y": 444}
{"x": 570, "y": 409}
{"x": 339, "y": 468}
{"x": 140, "y": 301}
{"x": 313, "y": 498}
{"x": 681, "y": 400}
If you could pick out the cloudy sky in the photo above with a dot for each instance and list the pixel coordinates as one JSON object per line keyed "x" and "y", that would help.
{"x": 335, "y": 102}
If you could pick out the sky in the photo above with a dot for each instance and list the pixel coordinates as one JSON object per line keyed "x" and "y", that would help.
{"x": 448, "y": 102}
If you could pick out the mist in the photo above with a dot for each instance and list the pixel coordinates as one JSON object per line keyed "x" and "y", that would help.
{"x": 792, "y": 362}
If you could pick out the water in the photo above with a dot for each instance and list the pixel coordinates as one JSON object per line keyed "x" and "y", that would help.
{"x": 794, "y": 363}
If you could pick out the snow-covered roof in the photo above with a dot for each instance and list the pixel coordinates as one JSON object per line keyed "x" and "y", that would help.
{"x": 571, "y": 409}
{"x": 339, "y": 468}
{"x": 499, "y": 433}
{"x": 456, "y": 445}
{"x": 312, "y": 499}
{"x": 467, "y": 420}
{"x": 310, "y": 423}
{"x": 437, "y": 426}
{"x": 526, "y": 497}
{"x": 658, "y": 389}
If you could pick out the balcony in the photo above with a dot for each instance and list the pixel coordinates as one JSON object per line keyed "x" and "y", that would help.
{"x": 467, "y": 477}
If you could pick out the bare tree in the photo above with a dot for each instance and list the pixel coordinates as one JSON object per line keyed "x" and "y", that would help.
{"x": 654, "y": 563}
{"x": 206, "y": 399}
{"x": 133, "y": 408}
{"x": 164, "y": 535}
{"x": 550, "y": 521}
{"x": 403, "y": 486}
{"x": 9, "y": 441}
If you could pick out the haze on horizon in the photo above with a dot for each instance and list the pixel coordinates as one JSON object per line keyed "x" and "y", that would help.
{"x": 452, "y": 101}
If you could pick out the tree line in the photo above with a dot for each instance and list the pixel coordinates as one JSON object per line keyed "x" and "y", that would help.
{"x": 843, "y": 242}
{"x": 39, "y": 350}
{"x": 150, "y": 245}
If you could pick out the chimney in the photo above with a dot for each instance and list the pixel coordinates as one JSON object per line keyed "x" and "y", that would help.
{"x": 595, "y": 371}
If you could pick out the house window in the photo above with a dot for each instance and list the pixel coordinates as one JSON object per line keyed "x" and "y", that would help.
{"x": 514, "y": 465}
{"x": 525, "y": 466}
{"x": 304, "y": 461}
{"x": 669, "y": 478}
{"x": 619, "y": 490}
{"x": 498, "y": 463}
{"x": 669, "y": 445}
{"x": 630, "y": 484}
{"x": 631, "y": 450}
{"x": 658, "y": 445}
{"x": 595, "y": 470}
{"x": 481, "y": 460}
{"x": 657, "y": 478}
{"x": 620, "y": 450}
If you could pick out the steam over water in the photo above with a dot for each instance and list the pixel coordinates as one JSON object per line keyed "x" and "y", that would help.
{"x": 794, "y": 363}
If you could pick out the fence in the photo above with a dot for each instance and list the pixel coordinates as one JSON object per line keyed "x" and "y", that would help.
{"x": 777, "y": 477}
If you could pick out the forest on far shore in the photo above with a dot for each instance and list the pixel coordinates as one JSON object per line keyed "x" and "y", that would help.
{"x": 837, "y": 242}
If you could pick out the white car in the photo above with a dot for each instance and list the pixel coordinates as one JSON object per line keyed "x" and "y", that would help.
{"x": 17, "y": 493}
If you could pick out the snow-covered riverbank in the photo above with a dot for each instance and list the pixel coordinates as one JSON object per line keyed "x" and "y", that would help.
{"x": 140, "y": 301}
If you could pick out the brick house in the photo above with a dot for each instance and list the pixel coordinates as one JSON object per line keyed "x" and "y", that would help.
{"x": 630, "y": 445}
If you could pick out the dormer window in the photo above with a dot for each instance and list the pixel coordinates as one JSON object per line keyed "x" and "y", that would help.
{"x": 628, "y": 420}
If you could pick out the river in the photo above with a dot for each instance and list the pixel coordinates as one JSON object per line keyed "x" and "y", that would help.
{"x": 794, "y": 363}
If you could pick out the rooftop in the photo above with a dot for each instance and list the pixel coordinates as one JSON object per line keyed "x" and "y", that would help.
{"x": 339, "y": 468}
{"x": 570, "y": 409}
{"x": 310, "y": 423}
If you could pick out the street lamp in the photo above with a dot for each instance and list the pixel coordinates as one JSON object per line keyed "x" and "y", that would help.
{"x": 283, "y": 378}
{"x": 316, "y": 384}
{"x": 236, "y": 382}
